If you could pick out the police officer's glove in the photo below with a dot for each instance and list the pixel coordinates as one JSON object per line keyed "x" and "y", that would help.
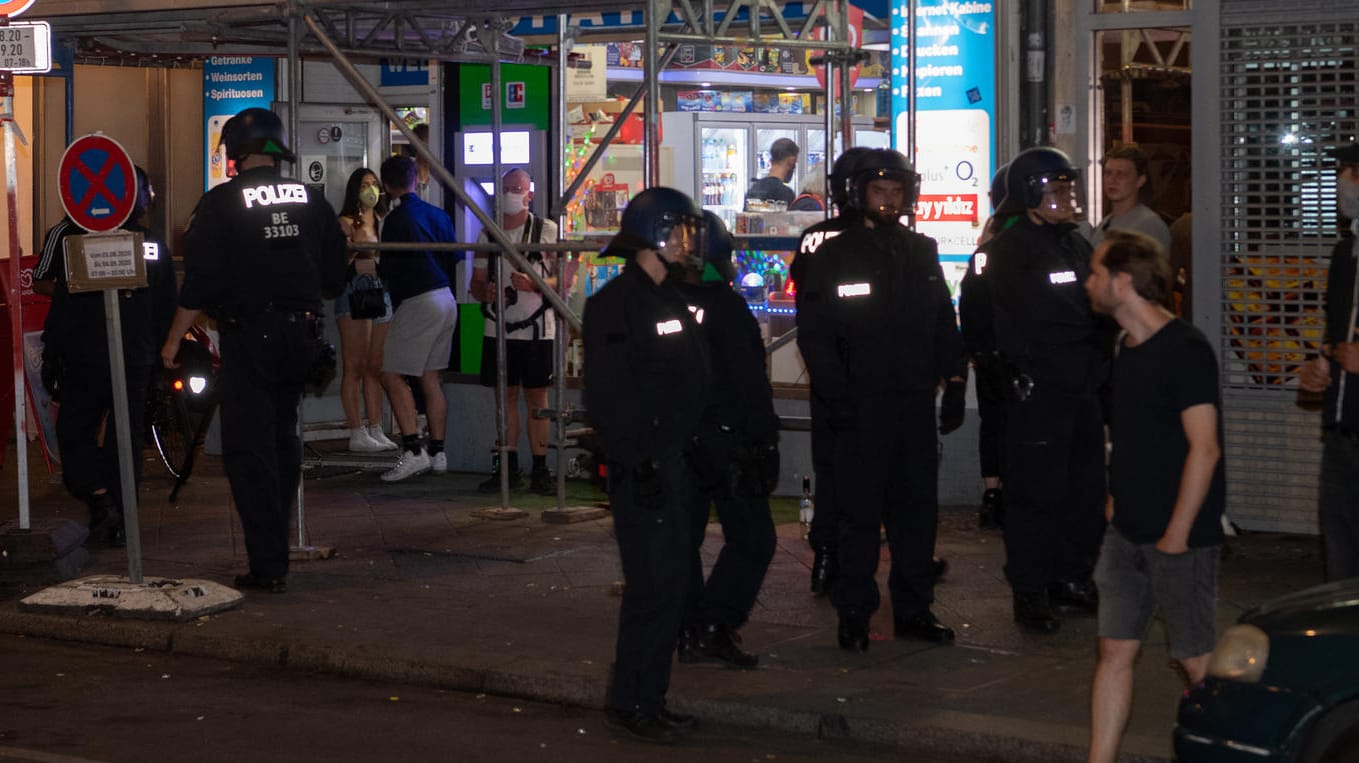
{"x": 708, "y": 466}
{"x": 648, "y": 484}
{"x": 951, "y": 406}
{"x": 759, "y": 467}
{"x": 51, "y": 377}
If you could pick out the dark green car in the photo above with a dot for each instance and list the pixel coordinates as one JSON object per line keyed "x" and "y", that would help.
{"x": 1282, "y": 684}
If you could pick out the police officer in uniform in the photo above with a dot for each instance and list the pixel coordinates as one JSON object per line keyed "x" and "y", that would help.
{"x": 646, "y": 386}
{"x": 1057, "y": 356}
{"x": 76, "y": 365}
{"x": 825, "y": 530}
{"x": 261, "y": 252}
{"x": 879, "y": 334}
{"x": 736, "y": 457}
{"x": 979, "y": 338}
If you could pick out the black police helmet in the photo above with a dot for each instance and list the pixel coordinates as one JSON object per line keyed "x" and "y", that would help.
{"x": 145, "y": 194}
{"x": 718, "y": 246}
{"x": 840, "y": 173}
{"x": 255, "y": 131}
{"x": 1031, "y": 170}
{"x": 998, "y": 187}
{"x": 650, "y": 217}
{"x": 883, "y": 164}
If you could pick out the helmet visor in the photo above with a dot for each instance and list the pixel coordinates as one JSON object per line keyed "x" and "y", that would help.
{"x": 681, "y": 239}
{"x": 1061, "y": 195}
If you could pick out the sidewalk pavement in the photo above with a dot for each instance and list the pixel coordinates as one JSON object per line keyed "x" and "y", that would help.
{"x": 422, "y": 592}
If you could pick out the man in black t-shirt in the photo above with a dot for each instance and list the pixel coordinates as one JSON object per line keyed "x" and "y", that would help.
{"x": 774, "y": 186}
{"x": 1166, "y": 485}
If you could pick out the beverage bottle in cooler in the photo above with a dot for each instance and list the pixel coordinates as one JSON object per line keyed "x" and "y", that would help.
{"x": 806, "y": 508}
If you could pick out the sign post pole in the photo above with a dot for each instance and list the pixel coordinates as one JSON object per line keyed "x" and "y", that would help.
{"x": 122, "y": 425}
{"x": 16, "y": 327}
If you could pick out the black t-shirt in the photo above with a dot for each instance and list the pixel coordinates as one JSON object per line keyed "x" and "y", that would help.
{"x": 770, "y": 188}
{"x": 1153, "y": 383}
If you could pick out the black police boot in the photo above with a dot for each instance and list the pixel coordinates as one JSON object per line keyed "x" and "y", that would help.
{"x": 825, "y": 568}
{"x": 1034, "y": 612}
{"x": 255, "y": 582}
{"x": 104, "y": 517}
{"x": 721, "y": 643}
{"x": 853, "y": 632}
{"x": 1077, "y": 594}
{"x": 641, "y": 726}
{"x": 939, "y": 568}
{"x": 687, "y": 649}
{"x": 541, "y": 482}
{"x": 680, "y": 722}
{"x": 492, "y": 483}
{"x": 924, "y": 625}
{"x": 992, "y": 513}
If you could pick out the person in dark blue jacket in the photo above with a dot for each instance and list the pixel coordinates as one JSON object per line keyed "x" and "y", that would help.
{"x": 736, "y": 456}
{"x": 261, "y": 253}
{"x": 424, "y": 317}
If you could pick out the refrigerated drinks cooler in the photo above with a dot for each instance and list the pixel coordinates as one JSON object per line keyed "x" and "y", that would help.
{"x": 717, "y": 156}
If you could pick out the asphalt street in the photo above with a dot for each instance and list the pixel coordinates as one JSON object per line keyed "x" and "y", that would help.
{"x": 64, "y": 703}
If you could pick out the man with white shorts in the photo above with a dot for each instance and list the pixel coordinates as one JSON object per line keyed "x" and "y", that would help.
{"x": 1166, "y": 482}
{"x": 425, "y": 315}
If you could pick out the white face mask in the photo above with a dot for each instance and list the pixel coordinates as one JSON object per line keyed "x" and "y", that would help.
{"x": 514, "y": 203}
{"x": 1347, "y": 193}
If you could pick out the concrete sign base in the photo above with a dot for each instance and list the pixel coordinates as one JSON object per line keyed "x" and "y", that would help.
{"x": 499, "y": 514}
{"x": 573, "y": 514}
{"x": 154, "y": 599}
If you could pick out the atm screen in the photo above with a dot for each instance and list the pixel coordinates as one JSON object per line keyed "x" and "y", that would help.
{"x": 514, "y": 148}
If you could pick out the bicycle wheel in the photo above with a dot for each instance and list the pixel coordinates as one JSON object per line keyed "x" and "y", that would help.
{"x": 173, "y": 434}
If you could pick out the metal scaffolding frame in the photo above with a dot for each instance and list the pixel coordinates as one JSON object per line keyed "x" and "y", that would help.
{"x": 478, "y": 31}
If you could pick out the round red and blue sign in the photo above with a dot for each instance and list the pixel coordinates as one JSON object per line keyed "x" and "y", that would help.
{"x": 97, "y": 183}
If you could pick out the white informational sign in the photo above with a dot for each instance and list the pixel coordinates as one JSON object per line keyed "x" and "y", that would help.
{"x": 585, "y": 75}
{"x": 26, "y": 47}
{"x": 954, "y": 81}
{"x": 954, "y": 162}
{"x": 100, "y": 261}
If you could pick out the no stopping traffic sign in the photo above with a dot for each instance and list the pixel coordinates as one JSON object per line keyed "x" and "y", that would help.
{"x": 97, "y": 182}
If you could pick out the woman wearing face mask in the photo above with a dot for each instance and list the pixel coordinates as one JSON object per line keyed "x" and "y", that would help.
{"x": 361, "y": 339}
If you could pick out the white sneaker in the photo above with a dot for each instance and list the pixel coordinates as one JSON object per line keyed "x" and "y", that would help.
{"x": 439, "y": 463}
{"x": 410, "y": 465}
{"x": 383, "y": 442}
{"x": 362, "y": 442}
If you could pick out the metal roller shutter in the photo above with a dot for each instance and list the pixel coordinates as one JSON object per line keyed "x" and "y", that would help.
{"x": 1289, "y": 80}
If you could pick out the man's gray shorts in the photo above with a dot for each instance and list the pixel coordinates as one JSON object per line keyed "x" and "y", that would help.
{"x": 421, "y": 334}
{"x": 1134, "y": 579}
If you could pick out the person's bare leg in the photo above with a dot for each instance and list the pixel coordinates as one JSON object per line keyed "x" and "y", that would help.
{"x": 535, "y": 398}
{"x": 403, "y": 402}
{"x": 512, "y": 417}
{"x": 1111, "y": 697}
{"x": 436, "y": 405}
{"x": 1195, "y": 668}
{"x": 372, "y": 381}
{"x": 354, "y": 357}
